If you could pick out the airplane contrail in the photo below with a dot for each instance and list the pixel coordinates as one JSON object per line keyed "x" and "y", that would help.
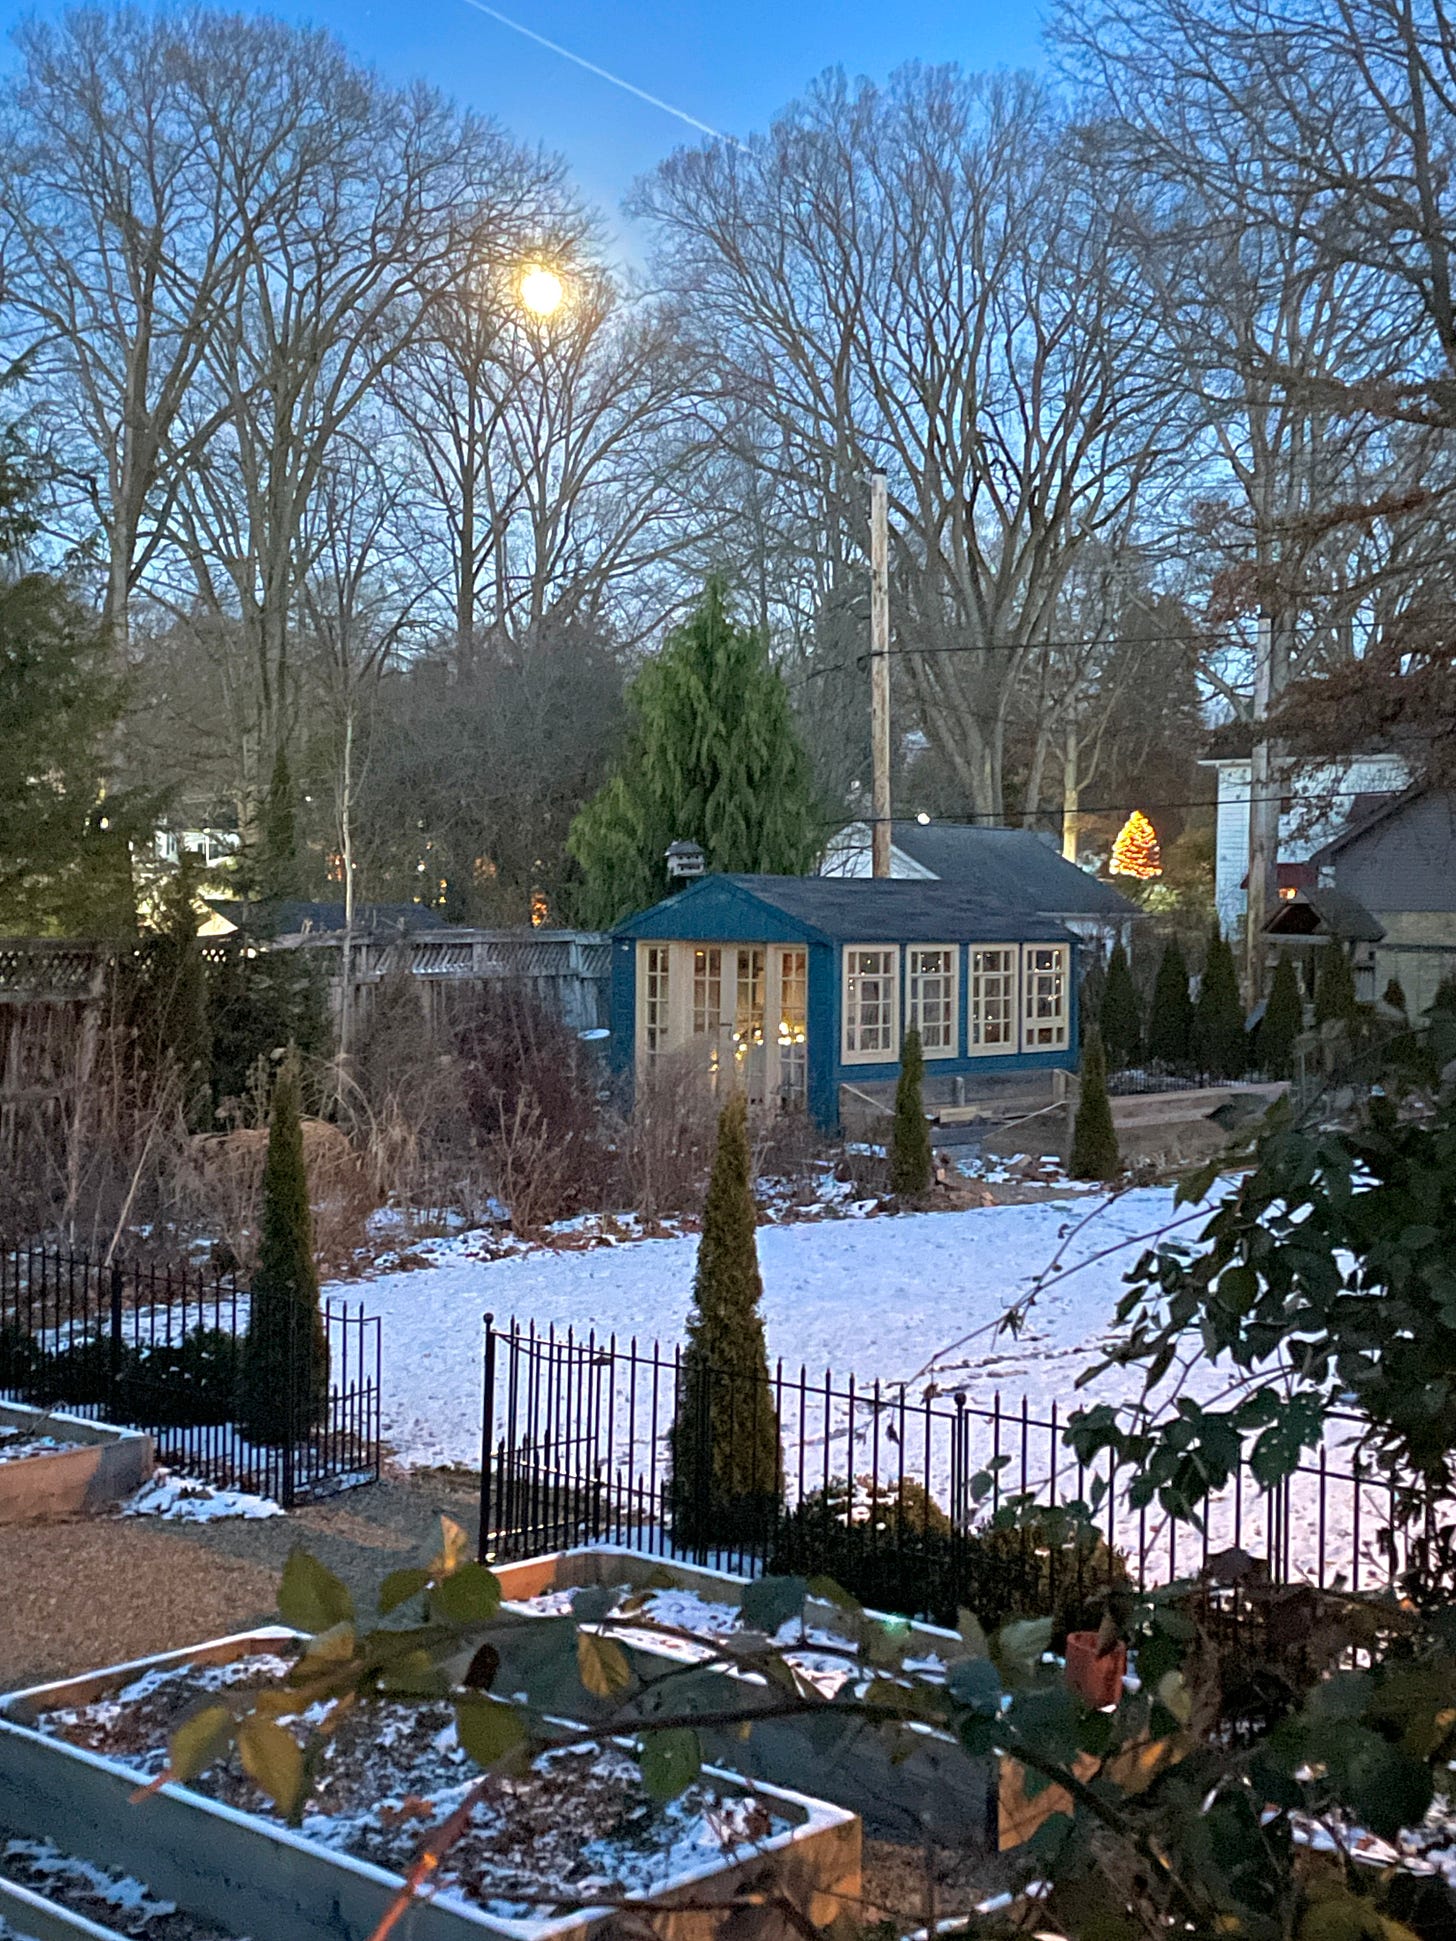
{"x": 652, "y": 100}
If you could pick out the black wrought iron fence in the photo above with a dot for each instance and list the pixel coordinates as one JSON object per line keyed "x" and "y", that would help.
{"x": 163, "y": 1348}
{"x": 588, "y": 1439}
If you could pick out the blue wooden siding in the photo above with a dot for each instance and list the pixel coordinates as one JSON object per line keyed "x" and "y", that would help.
{"x": 716, "y": 910}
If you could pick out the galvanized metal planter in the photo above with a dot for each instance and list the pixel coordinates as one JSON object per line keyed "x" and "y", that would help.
{"x": 110, "y": 1464}
{"x": 937, "y": 1790}
{"x": 254, "y": 1877}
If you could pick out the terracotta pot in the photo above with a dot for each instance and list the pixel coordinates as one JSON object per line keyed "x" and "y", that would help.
{"x": 1098, "y": 1680}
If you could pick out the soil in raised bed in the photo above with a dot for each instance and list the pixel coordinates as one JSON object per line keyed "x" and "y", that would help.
{"x": 575, "y": 1829}
{"x": 18, "y": 1444}
{"x": 111, "y": 1899}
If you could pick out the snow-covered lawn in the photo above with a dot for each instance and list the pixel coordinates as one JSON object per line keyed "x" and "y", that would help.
{"x": 910, "y": 1299}
{"x": 907, "y": 1298}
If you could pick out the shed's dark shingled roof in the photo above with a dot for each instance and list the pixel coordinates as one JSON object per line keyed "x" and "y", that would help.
{"x": 1011, "y": 866}
{"x": 1339, "y": 915}
{"x": 861, "y": 909}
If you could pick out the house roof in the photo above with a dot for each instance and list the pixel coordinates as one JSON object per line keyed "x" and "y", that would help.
{"x": 1330, "y": 913}
{"x": 1015, "y": 867}
{"x": 292, "y": 916}
{"x": 848, "y": 909}
{"x": 1375, "y": 812}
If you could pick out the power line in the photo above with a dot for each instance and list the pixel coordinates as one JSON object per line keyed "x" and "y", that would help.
{"x": 974, "y": 818}
{"x": 1028, "y": 647}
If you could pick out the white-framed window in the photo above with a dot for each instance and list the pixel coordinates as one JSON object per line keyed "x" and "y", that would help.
{"x": 656, "y": 997}
{"x": 1044, "y": 997}
{"x": 871, "y": 1003}
{"x": 793, "y": 1026}
{"x": 931, "y": 997}
{"x": 991, "y": 1019}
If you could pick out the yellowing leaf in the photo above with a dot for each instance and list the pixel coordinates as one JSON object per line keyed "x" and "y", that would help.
{"x": 601, "y": 1664}
{"x": 454, "y": 1548}
{"x": 273, "y": 1759}
{"x": 198, "y": 1741}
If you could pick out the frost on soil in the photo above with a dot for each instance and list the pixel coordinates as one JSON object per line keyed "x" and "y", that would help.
{"x": 578, "y": 1825}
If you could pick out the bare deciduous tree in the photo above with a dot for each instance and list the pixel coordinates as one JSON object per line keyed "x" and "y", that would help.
{"x": 920, "y": 279}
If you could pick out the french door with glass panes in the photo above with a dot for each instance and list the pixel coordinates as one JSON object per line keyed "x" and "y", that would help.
{"x": 749, "y": 1017}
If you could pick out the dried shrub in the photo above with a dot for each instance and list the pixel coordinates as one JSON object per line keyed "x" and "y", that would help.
{"x": 531, "y": 1102}
{"x": 663, "y": 1147}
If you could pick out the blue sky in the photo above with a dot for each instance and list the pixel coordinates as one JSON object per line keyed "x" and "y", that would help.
{"x": 729, "y": 66}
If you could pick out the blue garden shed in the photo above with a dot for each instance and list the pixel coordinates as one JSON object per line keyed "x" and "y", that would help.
{"x": 804, "y": 985}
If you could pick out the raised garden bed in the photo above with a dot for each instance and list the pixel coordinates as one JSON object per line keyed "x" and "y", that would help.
{"x": 935, "y": 1791}
{"x": 54, "y": 1465}
{"x": 46, "y": 1895}
{"x": 577, "y": 1825}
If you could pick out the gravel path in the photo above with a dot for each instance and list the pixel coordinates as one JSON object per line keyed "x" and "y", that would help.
{"x": 83, "y": 1594}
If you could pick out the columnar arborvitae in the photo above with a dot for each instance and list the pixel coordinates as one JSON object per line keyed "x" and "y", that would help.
{"x": 910, "y": 1156}
{"x": 1170, "y": 1019}
{"x": 1218, "y": 1042}
{"x": 1395, "y": 995}
{"x": 285, "y": 1361}
{"x": 1094, "y": 1137}
{"x": 1282, "y": 1022}
{"x": 1120, "y": 1018}
{"x": 1334, "y": 987}
{"x": 727, "y": 1467}
{"x": 1444, "y": 1000}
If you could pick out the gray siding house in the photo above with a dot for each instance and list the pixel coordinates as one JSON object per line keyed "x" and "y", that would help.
{"x": 1013, "y": 867}
{"x": 1399, "y": 862}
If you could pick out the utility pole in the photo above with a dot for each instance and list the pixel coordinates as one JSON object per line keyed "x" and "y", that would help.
{"x": 1266, "y": 790}
{"x": 880, "y": 672}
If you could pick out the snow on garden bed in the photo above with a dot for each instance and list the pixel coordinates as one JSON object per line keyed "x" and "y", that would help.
{"x": 575, "y": 1828}
{"x": 16, "y": 1446}
{"x": 825, "y": 1657}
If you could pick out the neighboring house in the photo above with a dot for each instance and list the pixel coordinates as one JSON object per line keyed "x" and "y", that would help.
{"x": 1398, "y": 860}
{"x": 1318, "y": 801}
{"x": 213, "y": 847}
{"x": 1015, "y": 867}
{"x": 805, "y": 986}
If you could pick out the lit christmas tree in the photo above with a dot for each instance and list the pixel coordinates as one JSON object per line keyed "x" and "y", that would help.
{"x": 1136, "y": 852}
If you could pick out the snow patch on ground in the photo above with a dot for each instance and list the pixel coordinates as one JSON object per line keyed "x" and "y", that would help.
{"x": 183, "y": 1499}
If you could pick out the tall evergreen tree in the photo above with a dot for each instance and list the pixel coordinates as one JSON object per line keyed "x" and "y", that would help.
{"x": 275, "y": 864}
{"x": 1170, "y": 1018}
{"x": 727, "y": 1465}
{"x": 65, "y": 867}
{"x": 285, "y": 1359}
{"x": 910, "y": 1155}
{"x": 1334, "y": 987}
{"x": 176, "y": 993}
{"x": 713, "y": 757}
{"x": 1094, "y": 1137}
{"x": 1282, "y": 1022}
{"x": 1120, "y": 1017}
{"x": 1218, "y": 1042}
